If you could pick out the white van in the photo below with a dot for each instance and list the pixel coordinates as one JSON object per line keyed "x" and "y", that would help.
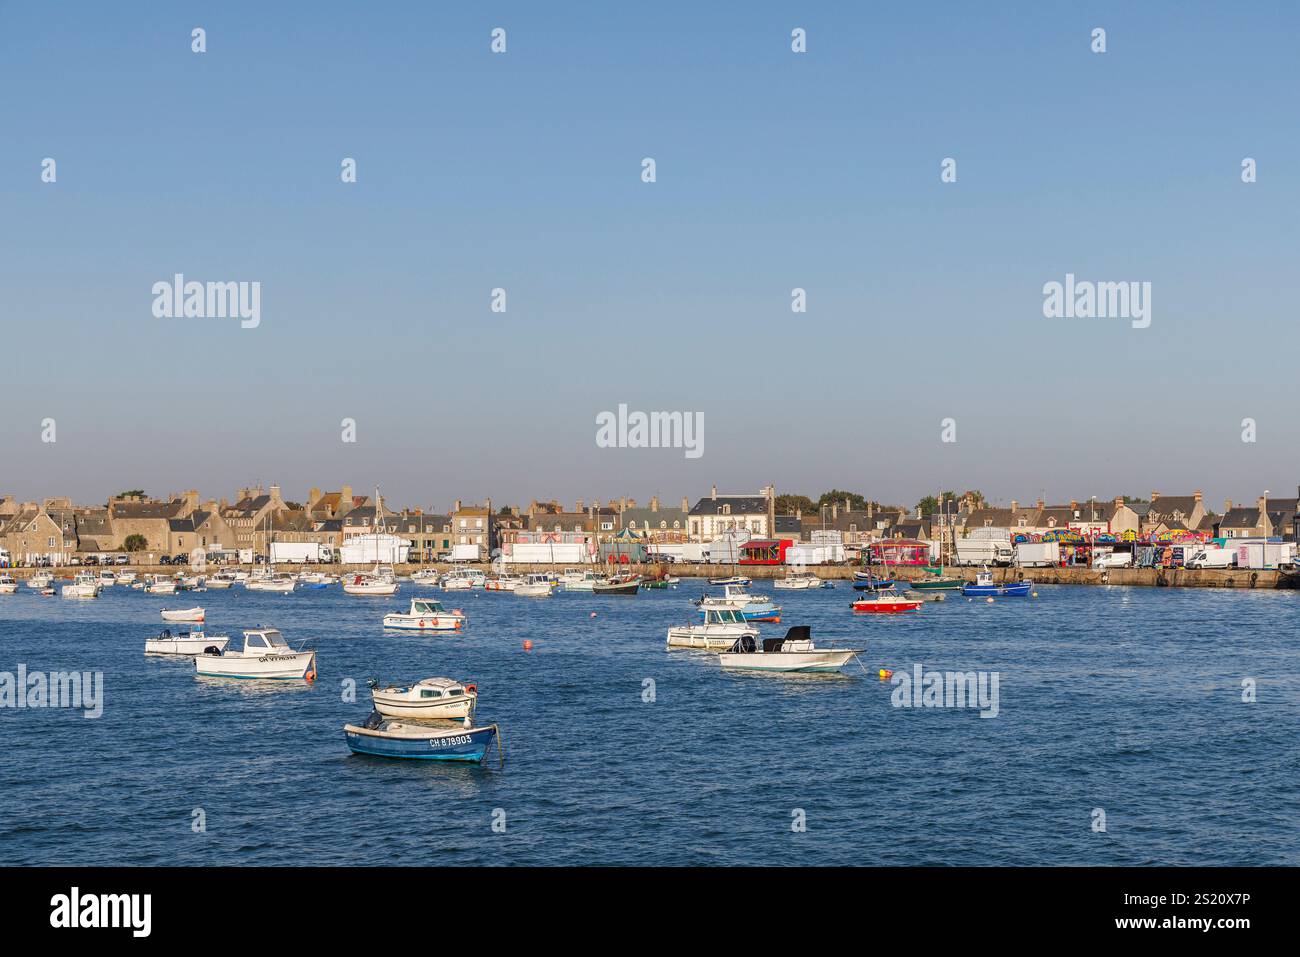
{"x": 1212, "y": 557}
{"x": 1113, "y": 560}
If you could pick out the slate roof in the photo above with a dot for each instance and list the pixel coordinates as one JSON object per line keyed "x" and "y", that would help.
{"x": 740, "y": 505}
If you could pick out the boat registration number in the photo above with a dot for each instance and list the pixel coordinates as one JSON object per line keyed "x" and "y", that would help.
{"x": 450, "y": 742}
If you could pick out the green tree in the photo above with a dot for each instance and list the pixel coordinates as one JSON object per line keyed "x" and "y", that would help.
{"x": 976, "y": 496}
{"x": 134, "y": 493}
{"x": 789, "y": 504}
{"x": 135, "y": 543}
{"x": 838, "y": 497}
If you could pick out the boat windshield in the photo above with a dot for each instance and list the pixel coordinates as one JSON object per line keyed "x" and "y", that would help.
{"x": 275, "y": 639}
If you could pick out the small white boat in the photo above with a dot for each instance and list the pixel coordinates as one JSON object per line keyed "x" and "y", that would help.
{"x": 440, "y": 698}
{"x": 126, "y": 578}
{"x": 107, "y": 578}
{"x": 584, "y": 580}
{"x": 463, "y": 580}
{"x": 182, "y": 614}
{"x": 722, "y": 628}
{"x": 798, "y": 582}
{"x": 266, "y": 656}
{"x": 426, "y": 576}
{"x": 278, "y": 582}
{"x": 221, "y": 580}
{"x": 84, "y": 585}
{"x": 157, "y": 585}
{"x": 8, "y": 584}
{"x": 40, "y": 580}
{"x": 731, "y": 580}
{"x": 374, "y": 583}
{"x": 503, "y": 583}
{"x": 185, "y": 643}
{"x": 426, "y": 614}
{"x": 793, "y": 654}
{"x": 535, "y": 586}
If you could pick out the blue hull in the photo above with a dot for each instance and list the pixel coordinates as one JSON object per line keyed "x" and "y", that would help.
{"x": 868, "y": 585}
{"x": 470, "y": 746}
{"x": 1011, "y": 590}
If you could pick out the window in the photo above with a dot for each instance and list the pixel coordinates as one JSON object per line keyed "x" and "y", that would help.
{"x": 255, "y": 641}
{"x": 478, "y": 523}
{"x": 430, "y": 693}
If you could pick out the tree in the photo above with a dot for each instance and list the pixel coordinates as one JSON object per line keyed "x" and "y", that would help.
{"x": 977, "y": 497}
{"x": 929, "y": 505}
{"x": 837, "y": 497}
{"x": 134, "y": 493}
{"x": 789, "y": 504}
{"x": 135, "y": 543}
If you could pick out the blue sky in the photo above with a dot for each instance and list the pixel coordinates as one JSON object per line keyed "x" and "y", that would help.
{"x": 522, "y": 171}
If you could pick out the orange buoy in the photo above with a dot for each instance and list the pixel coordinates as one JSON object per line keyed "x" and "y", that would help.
{"x": 885, "y": 674}
{"x": 528, "y": 644}
{"x": 593, "y": 614}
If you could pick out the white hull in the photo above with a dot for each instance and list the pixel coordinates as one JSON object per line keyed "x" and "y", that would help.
{"x": 708, "y": 637}
{"x": 786, "y": 661}
{"x": 425, "y": 622}
{"x": 798, "y": 584}
{"x": 219, "y": 583}
{"x": 235, "y": 664}
{"x": 533, "y": 591}
{"x": 8, "y": 588}
{"x": 371, "y": 588}
{"x": 282, "y": 587}
{"x": 161, "y": 588}
{"x": 40, "y": 581}
{"x": 183, "y": 614}
{"x": 80, "y": 591}
{"x": 589, "y": 585}
{"x": 184, "y": 646}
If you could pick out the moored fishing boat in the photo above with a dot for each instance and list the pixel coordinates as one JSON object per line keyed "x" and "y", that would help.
{"x": 985, "y": 587}
{"x": 732, "y": 580}
{"x": 574, "y": 580}
{"x": 793, "y": 654}
{"x": 503, "y": 583}
{"x": 182, "y": 614}
{"x": 84, "y": 585}
{"x": 870, "y": 582}
{"x": 265, "y": 656}
{"x": 379, "y": 581}
{"x": 40, "y": 580}
{"x": 463, "y": 580}
{"x": 126, "y": 578}
{"x": 751, "y": 607}
{"x": 798, "y": 582}
{"x": 440, "y": 698}
{"x": 720, "y": 630}
{"x": 277, "y": 582}
{"x": 8, "y": 584}
{"x": 184, "y": 643}
{"x": 426, "y": 614}
{"x": 426, "y": 576}
{"x": 107, "y": 578}
{"x": 617, "y": 585}
{"x": 886, "y": 602}
{"x": 403, "y": 738}
{"x": 158, "y": 585}
{"x": 221, "y": 580}
{"x": 535, "y": 586}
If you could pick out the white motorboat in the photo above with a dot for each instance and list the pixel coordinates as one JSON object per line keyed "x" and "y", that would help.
{"x": 185, "y": 643}
{"x": 440, "y": 698}
{"x": 584, "y": 580}
{"x": 798, "y": 582}
{"x": 427, "y": 576}
{"x": 221, "y": 580}
{"x": 107, "y": 578}
{"x": 85, "y": 585}
{"x": 266, "y": 656}
{"x": 279, "y": 582}
{"x": 426, "y": 614}
{"x": 183, "y": 614}
{"x": 722, "y": 628}
{"x": 40, "y": 580}
{"x": 463, "y": 580}
{"x": 735, "y": 595}
{"x": 535, "y": 586}
{"x": 731, "y": 580}
{"x": 795, "y": 653}
{"x": 157, "y": 585}
{"x": 126, "y": 578}
{"x": 503, "y": 583}
{"x": 8, "y": 584}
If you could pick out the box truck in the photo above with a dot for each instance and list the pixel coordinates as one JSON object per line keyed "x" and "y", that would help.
{"x": 1212, "y": 556}
{"x": 538, "y": 553}
{"x": 1264, "y": 554}
{"x": 1038, "y": 554}
{"x": 466, "y": 553}
{"x": 979, "y": 551}
{"x": 299, "y": 552}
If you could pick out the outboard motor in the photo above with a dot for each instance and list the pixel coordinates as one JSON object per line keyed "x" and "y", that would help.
{"x": 212, "y": 650}
{"x": 374, "y": 720}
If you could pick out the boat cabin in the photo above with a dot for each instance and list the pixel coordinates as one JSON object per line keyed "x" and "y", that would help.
{"x": 266, "y": 641}
{"x": 723, "y": 616}
{"x": 430, "y": 689}
{"x": 798, "y": 638}
{"x": 426, "y": 606}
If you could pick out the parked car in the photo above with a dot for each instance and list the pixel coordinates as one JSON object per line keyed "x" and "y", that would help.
{"x": 122, "y": 560}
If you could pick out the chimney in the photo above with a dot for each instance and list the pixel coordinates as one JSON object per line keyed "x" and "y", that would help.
{"x": 686, "y": 505}
{"x": 1014, "y": 505}
{"x": 1154, "y": 497}
{"x": 1074, "y": 506}
{"x": 1196, "y": 496}
{"x": 1261, "y": 503}
{"x": 313, "y": 496}
{"x": 345, "y": 499}
{"x": 455, "y": 505}
{"x": 581, "y": 506}
{"x": 1227, "y": 506}
{"x": 622, "y": 504}
{"x": 1119, "y": 501}
{"x": 835, "y": 510}
{"x": 654, "y": 503}
{"x": 1039, "y": 504}
{"x": 715, "y": 492}
{"x": 846, "y": 506}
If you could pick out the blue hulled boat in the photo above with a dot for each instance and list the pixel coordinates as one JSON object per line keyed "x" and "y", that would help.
{"x": 872, "y": 584}
{"x": 404, "y": 738}
{"x": 985, "y": 587}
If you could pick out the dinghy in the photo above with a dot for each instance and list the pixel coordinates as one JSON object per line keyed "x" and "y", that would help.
{"x": 185, "y": 643}
{"x": 440, "y": 698}
{"x": 182, "y": 614}
{"x": 266, "y": 655}
{"x": 394, "y": 738}
{"x": 795, "y": 653}
{"x": 426, "y": 614}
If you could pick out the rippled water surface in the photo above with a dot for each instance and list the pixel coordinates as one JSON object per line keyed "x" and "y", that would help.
{"x": 1127, "y": 700}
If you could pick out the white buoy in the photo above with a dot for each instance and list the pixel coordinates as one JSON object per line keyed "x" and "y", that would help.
{"x": 989, "y": 600}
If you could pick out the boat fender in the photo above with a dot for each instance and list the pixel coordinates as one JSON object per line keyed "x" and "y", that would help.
{"x": 471, "y": 689}
{"x": 310, "y": 676}
{"x": 421, "y": 622}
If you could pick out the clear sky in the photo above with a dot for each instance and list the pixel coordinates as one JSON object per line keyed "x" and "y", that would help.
{"x": 775, "y": 170}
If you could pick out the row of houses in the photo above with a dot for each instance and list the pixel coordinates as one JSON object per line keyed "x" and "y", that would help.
{"x": 55, "y": 529}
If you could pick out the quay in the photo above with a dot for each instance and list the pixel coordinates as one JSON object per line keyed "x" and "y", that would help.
{"x": 1052, "y": 575}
